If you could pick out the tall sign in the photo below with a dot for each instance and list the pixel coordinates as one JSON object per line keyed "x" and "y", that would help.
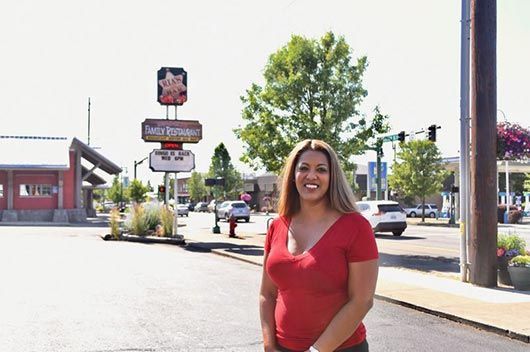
{"x": 172, "y": 86}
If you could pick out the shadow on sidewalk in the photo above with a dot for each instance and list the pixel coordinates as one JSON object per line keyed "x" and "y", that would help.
{"x": 206, "y": 247}
{"x": 420, "y": 263}
{"x": 397, "y": 238}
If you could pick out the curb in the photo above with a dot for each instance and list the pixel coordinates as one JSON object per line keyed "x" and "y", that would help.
{"x": 179, "y": 240}
{"x": 475, "y": 324}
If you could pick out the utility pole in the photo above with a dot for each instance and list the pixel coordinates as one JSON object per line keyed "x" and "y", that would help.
{"x": 483, "y": 268}
{"x": 464, "y": 142}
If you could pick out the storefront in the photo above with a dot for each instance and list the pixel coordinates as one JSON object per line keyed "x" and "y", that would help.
{"x": 45, "y": 179}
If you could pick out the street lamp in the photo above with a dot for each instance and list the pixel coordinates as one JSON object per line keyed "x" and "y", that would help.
{"x": 138, "y": 163}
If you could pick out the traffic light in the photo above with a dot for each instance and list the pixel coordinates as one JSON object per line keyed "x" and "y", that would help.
{"x": 161, "y": 189}
{"x": 432, "y": 133}
{"x": 401, "y": 136}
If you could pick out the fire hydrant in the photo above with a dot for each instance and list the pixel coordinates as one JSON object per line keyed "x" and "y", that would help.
{"x": 232, "y": 225}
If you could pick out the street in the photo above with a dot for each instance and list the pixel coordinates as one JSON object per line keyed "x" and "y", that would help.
{"x": 425, "y": 248}
{"x": 65, "y": 289}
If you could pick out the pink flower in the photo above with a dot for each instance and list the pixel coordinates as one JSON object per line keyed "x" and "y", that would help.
{"x": 500, "y": 252}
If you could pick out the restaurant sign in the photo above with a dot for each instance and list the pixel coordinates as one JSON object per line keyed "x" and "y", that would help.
{"x": 159, "y": 130}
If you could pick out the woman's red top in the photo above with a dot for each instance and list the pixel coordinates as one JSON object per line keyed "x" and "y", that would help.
{"x": 313, "y": 286}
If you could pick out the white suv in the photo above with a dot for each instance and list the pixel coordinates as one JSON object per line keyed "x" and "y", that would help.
{"x": 239, "y": 209}
{"x": 384, "y": 216}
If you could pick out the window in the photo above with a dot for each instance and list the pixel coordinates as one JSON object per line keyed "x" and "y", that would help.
{"x": 35, "y": 190}
{"x": 1, "y": 190}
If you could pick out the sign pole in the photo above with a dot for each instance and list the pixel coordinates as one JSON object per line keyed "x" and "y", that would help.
{"x": 175, "y": 196}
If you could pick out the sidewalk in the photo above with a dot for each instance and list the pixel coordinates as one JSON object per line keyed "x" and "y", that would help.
{"x": 500, "y": 310}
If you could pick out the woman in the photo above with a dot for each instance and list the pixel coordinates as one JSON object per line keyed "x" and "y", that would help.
{"x": 320, "y": 263}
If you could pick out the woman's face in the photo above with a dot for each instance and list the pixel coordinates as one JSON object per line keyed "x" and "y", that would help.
{"x": 312, "y": 176}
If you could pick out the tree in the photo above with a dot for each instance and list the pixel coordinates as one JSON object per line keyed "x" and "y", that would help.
{"x": 196, "y": 187}
{"x": 311, "y": 91}
{"x": 221, "y": 166}
{"x": 420, "y": 172}
{"x": 117, "y": 193}
{"x": 137, "y": 191}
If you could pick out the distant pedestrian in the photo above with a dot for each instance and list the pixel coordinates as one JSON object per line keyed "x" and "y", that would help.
{"x": 320, "y": 263}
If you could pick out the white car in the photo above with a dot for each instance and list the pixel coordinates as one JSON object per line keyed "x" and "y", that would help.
{"x": 431, "y": 211}
{"x": 239, "y": 209}
{"x": 182, "y": 210}
{"x": 384, "y": 216}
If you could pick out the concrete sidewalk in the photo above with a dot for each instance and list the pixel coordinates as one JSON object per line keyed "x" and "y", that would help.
{"x": 500, "y": 310}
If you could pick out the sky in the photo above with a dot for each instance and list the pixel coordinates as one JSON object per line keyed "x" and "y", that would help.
{"x": 56, "y": 54}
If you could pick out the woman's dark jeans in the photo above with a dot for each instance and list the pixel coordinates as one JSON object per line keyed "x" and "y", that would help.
{"x": 362, "y": 347}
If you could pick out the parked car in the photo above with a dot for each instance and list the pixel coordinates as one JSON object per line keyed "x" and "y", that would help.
{"x": 191, "y": 206}
{"x": 238, "y": 208}
{"x": 201, "y": 207}
{"x": 431, "y": 210}
{"x": 211, "y": 205}
{"x": 182, "y": 210}
{"x": 384, "y": 216}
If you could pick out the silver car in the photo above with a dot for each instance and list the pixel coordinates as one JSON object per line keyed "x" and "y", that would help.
{"x": 182, "y": 210}
{"x": 237, "y": 208}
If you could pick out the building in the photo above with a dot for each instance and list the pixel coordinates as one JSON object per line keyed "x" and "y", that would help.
{"x": 49, "y": 179}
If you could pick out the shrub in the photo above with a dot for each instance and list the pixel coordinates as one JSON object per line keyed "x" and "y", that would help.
{"x": 521, "y": 260}
{"x": 514, "y": 215}
{"x": 510, "y": 245}
{"x": 152, "y": 215}
{"x": 115, "y": 223}
{"x": 138, "y": 222}
{"x": 166, "y": 219}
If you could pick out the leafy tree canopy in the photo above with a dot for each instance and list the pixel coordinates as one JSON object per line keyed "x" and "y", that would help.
{"x": 196, "y": 187}
{"x": 221, "y": 166}
{"x": 312, "y": 90}
{"x": 137, "y": 191}
{"x": 420, "y": 172}
{"x": 117, "y": 193}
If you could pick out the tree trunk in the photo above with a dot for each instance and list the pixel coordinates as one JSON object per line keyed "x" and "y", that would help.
{"x": 423, "y": 208}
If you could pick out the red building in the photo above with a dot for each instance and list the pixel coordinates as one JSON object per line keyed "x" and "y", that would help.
{"x": 49, "y": 178}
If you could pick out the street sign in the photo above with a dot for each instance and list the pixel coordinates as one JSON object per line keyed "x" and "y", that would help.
{"x": 162, "y": 160}
{"x": 372, "y": 175}
{"x": 161, "y": 130}
{"x": 391, "y": 138}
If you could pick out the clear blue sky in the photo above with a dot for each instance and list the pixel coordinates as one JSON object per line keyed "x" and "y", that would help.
{"x": 56, "y": 54}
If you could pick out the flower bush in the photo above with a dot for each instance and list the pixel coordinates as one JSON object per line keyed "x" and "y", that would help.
{"x": 521, "y": 261}
{"x": 513, "y": 141}
{"x": 510, "y": 245}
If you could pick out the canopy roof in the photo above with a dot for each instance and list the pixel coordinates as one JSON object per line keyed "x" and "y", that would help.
{"x": 34, "y": 152}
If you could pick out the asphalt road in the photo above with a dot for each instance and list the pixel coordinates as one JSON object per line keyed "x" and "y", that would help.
{"x": 424, "y": 248}
{"x": 64, "y": 289}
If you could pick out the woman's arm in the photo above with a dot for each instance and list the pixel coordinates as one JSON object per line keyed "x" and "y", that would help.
{"x": 267, "y": 303}
{"x": 362, "y": 279}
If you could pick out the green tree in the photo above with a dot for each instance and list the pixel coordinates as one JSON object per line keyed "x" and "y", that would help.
{"x": 196, "y": 187}
{"x": 312, "y": 90}
{"x": 221, "y": 166}
{"x": 137, "y": 191}
{"x": 526, "y": 184}
{"x": 117, "y": 193}
{"x": 420, "y": 172}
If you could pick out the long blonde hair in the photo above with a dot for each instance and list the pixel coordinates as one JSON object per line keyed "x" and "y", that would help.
{"x": 340, "y": 195}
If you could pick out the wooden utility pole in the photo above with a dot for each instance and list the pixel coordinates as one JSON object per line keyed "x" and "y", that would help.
{"x": 483, "y": 260}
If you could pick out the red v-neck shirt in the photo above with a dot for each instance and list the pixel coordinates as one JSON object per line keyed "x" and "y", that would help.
{"x": 313, "y": 286}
